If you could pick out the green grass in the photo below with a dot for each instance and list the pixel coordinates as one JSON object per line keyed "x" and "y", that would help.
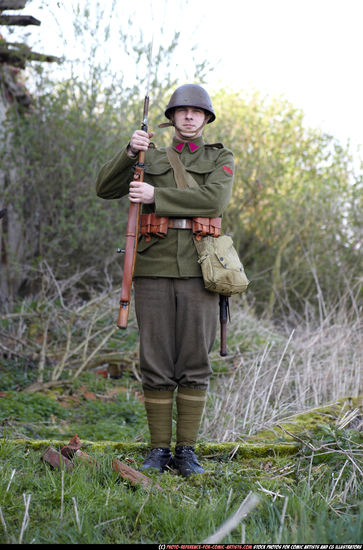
{"x": 64, "y": 412}
{"x": 185, "y": 511}
{"x": 309, "y": 493}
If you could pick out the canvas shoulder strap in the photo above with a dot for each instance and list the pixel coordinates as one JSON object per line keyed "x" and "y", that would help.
{"x": 183, "y": 179}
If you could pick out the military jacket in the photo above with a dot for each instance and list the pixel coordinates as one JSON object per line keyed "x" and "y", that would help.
{"x": 211, "y": 166}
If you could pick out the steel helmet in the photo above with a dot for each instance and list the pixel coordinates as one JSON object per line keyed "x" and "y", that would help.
{"x": 190, "y": 95}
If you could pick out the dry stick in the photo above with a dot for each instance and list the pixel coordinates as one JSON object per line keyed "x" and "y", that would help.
{"x": 76, "y": 514}
{"x": 88, "y": 335}
{"x": 282, "y": 519}
{"x": 285, "y": 378}
{"x": 10, "y": 480}
{"x": 336, "y": 482}
{"x": 60, "y": 366}
{"x": 26, "y": 516}
{"x": 141, "y": 508}
{"x": 12, "y": 352}
{"x": 95, "y": 351}
{"x": 352, "y": 461}
{"x": 19, "y": 315}
{"x": 43, "y": 353}
{"x": 68, "y": 354}
{"x": 311, "y": 447}
{"x": 97, "y": 301}
{"x": 264, "y": 354}
{"x": 348, "y": 417}
{"x": 52, "y": 276}
{"x": 62, "y": 495}
{"x": 20, "y": 340}
{"x": 134, "y": 371}
{"x": 275, "y": 374}
{"x": 249, "y": 503}
{"x": 108, "y": 495}
{"x": 351, "y": 480}
{"x": 107, "y": 521}
{"x": 329, "y": 451}
{"x": 234, "y": 451}
{"x": 269, "y": 492}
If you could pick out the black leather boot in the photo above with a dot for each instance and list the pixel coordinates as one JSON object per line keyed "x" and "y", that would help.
{"x": 185, "y": 461}
{"x": 159, "y": 458}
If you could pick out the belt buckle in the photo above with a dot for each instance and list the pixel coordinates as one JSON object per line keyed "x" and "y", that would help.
{"x": 181, "y": 223}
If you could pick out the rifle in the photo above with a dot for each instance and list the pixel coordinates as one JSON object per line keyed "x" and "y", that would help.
{"x": 132, "y": 228}
{"x": 223, "y": 315}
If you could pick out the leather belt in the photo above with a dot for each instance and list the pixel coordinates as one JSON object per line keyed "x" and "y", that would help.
{"x": 180, "y": 223}
{"x": 151, "y": 224}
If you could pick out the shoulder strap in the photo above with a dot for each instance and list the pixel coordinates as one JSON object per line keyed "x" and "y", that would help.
{"x": 214, "y": 145}
{"x": 183, "y": 179}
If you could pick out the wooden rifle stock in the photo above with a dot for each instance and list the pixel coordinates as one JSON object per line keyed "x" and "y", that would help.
{"x": 223, "y": 315}
{"x": 132, "y": 234}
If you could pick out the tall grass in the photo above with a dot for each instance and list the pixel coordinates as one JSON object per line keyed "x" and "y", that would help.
{"x": 285, "y": 371}
{"x": 272, "y": 371}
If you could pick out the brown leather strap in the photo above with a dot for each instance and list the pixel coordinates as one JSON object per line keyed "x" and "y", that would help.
{"x": 151, "y": 224}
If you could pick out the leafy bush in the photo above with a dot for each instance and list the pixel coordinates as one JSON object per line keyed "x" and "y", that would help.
{"x": 30, "y": 408}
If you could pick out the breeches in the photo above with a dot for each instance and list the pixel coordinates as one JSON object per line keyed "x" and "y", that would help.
{"x": 177, "y": 320}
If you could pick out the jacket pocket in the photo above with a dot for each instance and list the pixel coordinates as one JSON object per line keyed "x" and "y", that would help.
{"x": 203, "y": 167}
{"x": 158, "y": 168}
{"x": 144, "y": 245}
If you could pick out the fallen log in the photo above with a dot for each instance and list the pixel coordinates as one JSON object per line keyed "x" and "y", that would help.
{"x": 132, "y": 475}
{"x": 56, "y": 459}
{"x": 41, "y": 386}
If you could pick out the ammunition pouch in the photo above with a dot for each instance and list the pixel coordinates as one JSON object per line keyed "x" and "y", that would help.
{"x": 151, "y": 224}
{"x": 206, "y": 226}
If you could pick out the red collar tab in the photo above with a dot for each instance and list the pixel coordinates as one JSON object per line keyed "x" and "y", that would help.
{"x": 192, "y": 146}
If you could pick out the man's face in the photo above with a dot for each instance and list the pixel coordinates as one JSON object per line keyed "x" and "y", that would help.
{"x": 189, "y": 122}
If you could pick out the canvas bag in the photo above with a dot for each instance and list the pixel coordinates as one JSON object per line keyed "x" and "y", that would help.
{"x": 222, "y": 269}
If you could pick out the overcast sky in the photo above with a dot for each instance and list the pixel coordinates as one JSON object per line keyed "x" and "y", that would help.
{"x": 308, "y": 51}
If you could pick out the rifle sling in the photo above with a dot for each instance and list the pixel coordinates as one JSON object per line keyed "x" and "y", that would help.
{"x": 183, "y": 179}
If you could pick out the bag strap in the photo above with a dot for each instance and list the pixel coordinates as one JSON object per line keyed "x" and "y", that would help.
{"x": 183, "y": 179}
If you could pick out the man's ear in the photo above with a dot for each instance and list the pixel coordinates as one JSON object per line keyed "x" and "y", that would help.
{"x": 208, "y": 116}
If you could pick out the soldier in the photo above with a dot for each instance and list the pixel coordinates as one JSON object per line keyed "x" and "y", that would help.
{"x": 177, "y": 317}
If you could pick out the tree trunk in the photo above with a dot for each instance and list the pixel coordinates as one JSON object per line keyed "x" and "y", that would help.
{"x": 11, "y": 228}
